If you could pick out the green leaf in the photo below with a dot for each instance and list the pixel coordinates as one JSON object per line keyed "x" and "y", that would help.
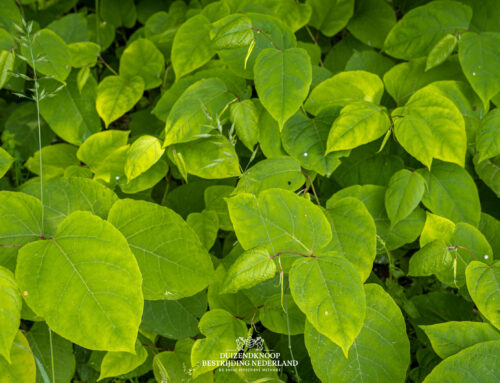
{"x": 63, "y": 196}
{"x": 330, "y": 17}
{"x": 22, "y": 368}
{"x": 467, "y": 102}
{"x": 100, "y": 32}
{"x": 404, "y": 79}
{"x": 274, "y": 317}
{"x": 232, "y": 31}
{"x": 468, "y": 244}
{"x": 197, "y": 112}
{"x": 10, "y": 16}
{"x": 245, "y": 117}
{"x": 72, "y": 28}
{"x": 441, "y": 51}
{"x": 212, "y": 158}
{"x": 451, "y": 337}
{"x": 365, "y": 166}
{"x": 249, "y": 269}
{"x": 279, "y": 220}
{"x": 80, "y": 118}
{"x": 101, "y": 150}
{"x": 328, "y": 289}
{"x": 372, "y": 21}
{"x": 234, "y": 84}
{"x": 192, "y": 47}
{"x": 174, "y": 319}
{"x": 53, "y": 49}
{"x": 369, "y": 61}
{"x": 161, "y": 241}
{"x": 436, "y": 227}
{"x": 7, "y": 60}
{"x": 305, "y": 140}
{"x": 295, "y": 15}
{"x": 373, "y": 197}
{"x": 269, "y": 135}
{"x": 474, "y": 362}
{"x": 167, "y": 366}
{"x": 345, "y": 88}
{"x": 282, "y": 172}
{"x": 117, "y": 363}
{"x": 483, "y": 283}
{"x": 358, "y": 123}
{"x": 489, "y": 226}
{"x": 353, "y": 233}
{"x": 488, "y": 136}
{"x": 119, "y": 12}
{"x": 380, "y": 353}
{"x": 55, "y": 158}
{"x": 83, "y": 54}
{"x": 216, "y": 11}
{"x": 423, "y": 27}
{"x": 433, "y": 258}
{"x": 489, "y": 174}
{"x": 479, "y": 55}
{"x": 41, "y": 343}
{"x": 431, "y": 126}
{"x": 161, "y": 27}
{"x": 215, "y": 199}
{"x": 143, "y": 153}
{"x": 403, "y": 194}
{"x": 221, "y": 330}
{"x": 10, "y": 315}
{"x": 142, "y": 58}
{"x": 6, "y": 161}
{"x": 83, "y": 278}
{"x": 20, "y": 223}
{"x": 238, "y": 304}
{"x": 282, "y": 80}
{"x": 146, "y": 180}
{"x": 116, "y": 95}
{"x": 485, "y": 17}
{"x": 173, "y": 366}
{"x": 205, "y": 225}
{"x": 452, "y": 193}
{"x": 277, "y": 30}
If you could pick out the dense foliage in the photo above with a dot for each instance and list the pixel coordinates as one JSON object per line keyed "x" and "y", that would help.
{"x": 312, "y": 183}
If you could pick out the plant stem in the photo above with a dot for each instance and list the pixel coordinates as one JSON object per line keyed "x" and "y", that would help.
{"x": 290, "y": 341}
{"x": 463, "y": 248}
{"x": 108, "y": 66}
{"x": 391, "y": 265}
{"x": 37, "y": 102}
{"x": 311, "y": 184}
{"x": 52, "y": 357}
{"x": 314, "y": 39}
{"x": 290, "y": 252}
{"x": 269, "y": 37}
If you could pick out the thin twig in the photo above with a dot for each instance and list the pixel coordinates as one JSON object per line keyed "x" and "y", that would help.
{"x": 290, "y": 252}
{"x": 108, "y": 66}
{"x": 37, "y": 102}
{"x": 11, "y": 246}
{"x": 311, "y": 184}
{"x": 463, "y": 248}
{"x": 269, "y": 37}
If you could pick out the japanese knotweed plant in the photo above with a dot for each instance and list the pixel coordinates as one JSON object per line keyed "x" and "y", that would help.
{"x": 249, "y": 191}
